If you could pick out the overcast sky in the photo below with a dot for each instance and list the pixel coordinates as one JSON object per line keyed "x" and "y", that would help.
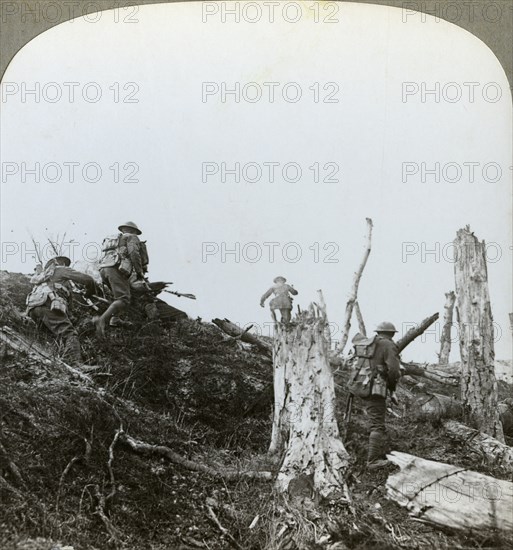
{"x": 161, "y": 122}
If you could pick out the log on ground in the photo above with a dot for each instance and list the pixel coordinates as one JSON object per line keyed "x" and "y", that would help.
{"x": 450, "y": 496}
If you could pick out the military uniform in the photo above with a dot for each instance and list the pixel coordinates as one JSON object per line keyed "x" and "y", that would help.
{"x": 387, "y": 363}
{"x": 48, "y": 303}
{"x": 124, "y": 261}
{"x": 281, "y": 300}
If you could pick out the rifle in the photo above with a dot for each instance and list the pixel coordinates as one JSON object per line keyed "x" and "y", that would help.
{"x": 347, "y": 414}
{"x": 181, "y": 295}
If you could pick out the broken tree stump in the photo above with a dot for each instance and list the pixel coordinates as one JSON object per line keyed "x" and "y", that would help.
{"x": 449, "y": 496}
{"x": 445, "y": 340}
{"x": 474, "y": 316}
{"x": 305, "y": 431}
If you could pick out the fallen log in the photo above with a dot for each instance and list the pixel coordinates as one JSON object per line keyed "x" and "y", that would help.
{"x": 448, "y": 375}
{"x": 449, "y": 496}
{"x": 416, "y": 331}
{"x": 236, "y": 332}
{"x": 437, "y": 405}
{"x": 143, "y": 448}
{"x": 492, "y": 451}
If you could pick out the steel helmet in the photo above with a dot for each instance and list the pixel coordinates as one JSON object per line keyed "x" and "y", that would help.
{"x": 385, "y": 326}
{"x": 279, "y": 278}
{"x": 58, "y": 259}
{"x": 130, "y": 224}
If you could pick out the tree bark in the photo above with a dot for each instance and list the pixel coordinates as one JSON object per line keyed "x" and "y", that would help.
{"x": 305, "y": 430}
{"x": 359, "y": 317}
{"x": 474, "y": 315}
{"x": 416, "y": 331}
{"x": 445, "y": 340}
{"x": 449, "y": 496}
{"x": 354, "y": 290}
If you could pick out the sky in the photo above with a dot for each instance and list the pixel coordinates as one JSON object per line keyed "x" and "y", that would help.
{"x": 152, "y": 134}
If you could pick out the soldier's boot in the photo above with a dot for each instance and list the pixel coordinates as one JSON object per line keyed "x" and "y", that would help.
{"x": 74, "y": 355}
{"x": 378, "y": 447}
{"x": 117, "y": 322}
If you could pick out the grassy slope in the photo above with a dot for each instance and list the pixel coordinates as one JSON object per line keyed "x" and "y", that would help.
{"x": 208, "y": 400}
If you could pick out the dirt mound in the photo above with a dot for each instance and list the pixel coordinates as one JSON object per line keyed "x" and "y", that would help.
{"x": 70, "y": 481}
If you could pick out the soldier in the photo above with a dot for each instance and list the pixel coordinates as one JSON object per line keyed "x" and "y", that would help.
{"x": 281, "y": 300}
{"x": 378, "y": 371}
{"x": 123, "y": 265}
{"x": 48, "y": 302}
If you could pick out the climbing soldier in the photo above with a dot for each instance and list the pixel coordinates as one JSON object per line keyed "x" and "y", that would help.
{"x": 282, "y": 299}
{"x": 375, "y": 372}
{"x": 48, "y": 303}
{"x": 123, "y": 264}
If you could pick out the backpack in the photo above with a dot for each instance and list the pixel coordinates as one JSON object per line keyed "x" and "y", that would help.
{"x": 110, "y": 251}
{"x": 362, "y": 374}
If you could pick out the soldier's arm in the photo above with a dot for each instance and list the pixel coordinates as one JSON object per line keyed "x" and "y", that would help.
{"x": 292, "y": 290}
{"x": 266, "y": 295}
{"x": 68, "y": 274}
{"x": 133, "y": 251}
{"x": 393, "y": 364}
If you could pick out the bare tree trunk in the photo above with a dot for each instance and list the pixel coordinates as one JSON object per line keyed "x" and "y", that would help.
{"x": 305, "y": 430}
{"x": 359, "y": 317}
{"x": 445, "y": 340}
{"x": 354, "y": 291}
{"x": 474, "y": 315}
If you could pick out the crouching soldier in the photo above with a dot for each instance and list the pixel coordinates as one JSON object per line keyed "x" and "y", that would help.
{"x": 48, "y": 303}
{"x": 375, "y": 372}
{"x": 282, "y": 299}
{"x": 123, "y": 263}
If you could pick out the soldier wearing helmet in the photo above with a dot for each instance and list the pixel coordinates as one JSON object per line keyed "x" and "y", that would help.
{"x": 385, "y": 362}
{"x": 282, "y": 299}
{"x": 123, "y": 263}
{"x": 48, "y": 303}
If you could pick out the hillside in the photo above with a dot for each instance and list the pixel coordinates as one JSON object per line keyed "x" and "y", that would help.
{"x": 71, "y": 480}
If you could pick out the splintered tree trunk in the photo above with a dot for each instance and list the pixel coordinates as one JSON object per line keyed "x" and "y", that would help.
{"x": 474, "y": 315}
{"x": 305, "y": 431}
{"x": 445, "y": 341}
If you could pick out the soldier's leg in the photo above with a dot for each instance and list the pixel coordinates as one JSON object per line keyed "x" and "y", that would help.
{"x": 273, "y": 315}
{"x": 378, "y": 441}
{"x": 285, "y": 315}
{"x": 120, "y": 287}
{"x": 58, "y": 323}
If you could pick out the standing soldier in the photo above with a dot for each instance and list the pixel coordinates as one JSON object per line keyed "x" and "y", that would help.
{"x": 123, "y": 264}
{"x": 48, "y": 303}
{"x": 375, "y": 373}
{"x": 282, "y": 299}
